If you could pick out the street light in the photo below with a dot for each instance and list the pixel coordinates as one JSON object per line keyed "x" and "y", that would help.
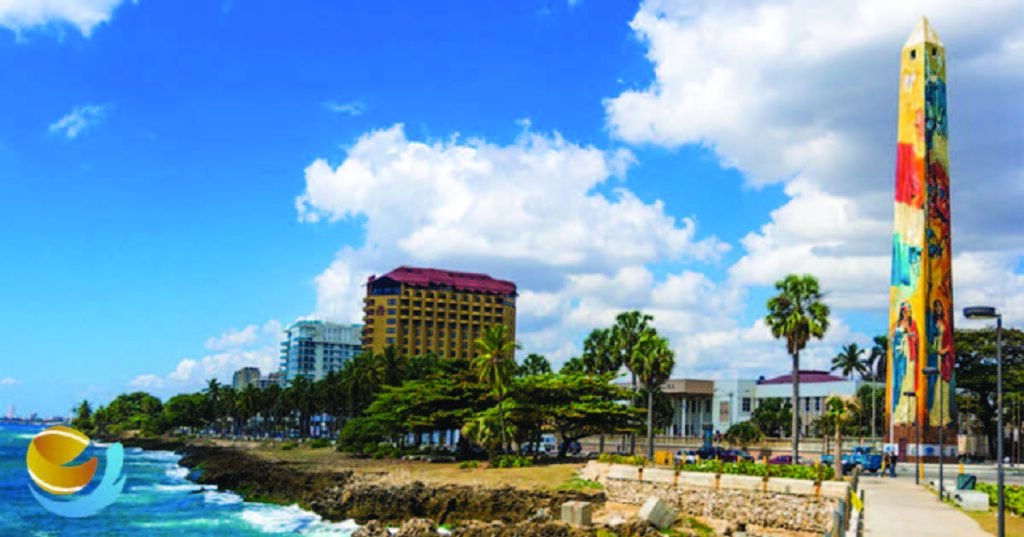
{"x": 917, "y": 426}
{"x": 934, "y": 372}
{"x": 988, "y": 312}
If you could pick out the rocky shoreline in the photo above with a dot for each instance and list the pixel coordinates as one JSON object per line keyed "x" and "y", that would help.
{"x": 417, "y": 508}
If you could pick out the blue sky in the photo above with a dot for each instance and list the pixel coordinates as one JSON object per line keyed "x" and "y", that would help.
{"x": 164, "y": 211}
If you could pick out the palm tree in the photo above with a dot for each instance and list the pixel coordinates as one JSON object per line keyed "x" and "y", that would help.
{"x": 390, "y": 366}
{"x": 248, "y": 406}
{"x": 838, "y": 411}
{"x": 877, "y": 357}
{"x": 496, "y": 365}
{"x": 213, "y": 388}
{"x": 849, "y": 361}
{"x": 797, "y": 314}
{"x": 629, "y": 327}
{"x": 653, "y": 364}
{"x": 599, "y": 358}
{"x": 534, "y": 364}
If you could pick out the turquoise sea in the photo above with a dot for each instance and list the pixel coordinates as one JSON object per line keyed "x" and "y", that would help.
{"x": 157, "y": 500}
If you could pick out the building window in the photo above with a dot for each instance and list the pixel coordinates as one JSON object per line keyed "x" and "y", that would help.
{"x": 392, "y": 301}
{"x": 807, "y": 404}
{"x": 746, "y": 404}
{"x": 392, "y": 311}
{"x": 817, "y": 404}
{"x": 392, "y": 320}
{"x": 391, "y": 330}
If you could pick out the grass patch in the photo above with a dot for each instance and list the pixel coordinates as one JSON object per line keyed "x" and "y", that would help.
{"x": 578, "y": 483}
{"x": 701, "y": 528}
{"x": 287, "y": 446}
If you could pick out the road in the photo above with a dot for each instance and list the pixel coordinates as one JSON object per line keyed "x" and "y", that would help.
{"x": 984, "y": 472}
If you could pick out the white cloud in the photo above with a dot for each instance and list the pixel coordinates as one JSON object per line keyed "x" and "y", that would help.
{"x": 802, "y": 93}
{"x": 20, "y": 15}
{"x": 9, "y": 381}
{"x": 352, "y": 108}
{"x": 79, "y": 119}
{"x": 247, "y": 336}
{"x": 252, "y": 346}
{"x": 556, "y": 217}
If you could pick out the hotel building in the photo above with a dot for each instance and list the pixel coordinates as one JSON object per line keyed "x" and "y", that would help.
{"x": 245, "y": 377}
{"x": 423, "y": 310}
{"x": 315, "y": 348}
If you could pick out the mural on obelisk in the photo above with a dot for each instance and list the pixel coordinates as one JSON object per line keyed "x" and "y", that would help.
{"x": 920, "y": 309}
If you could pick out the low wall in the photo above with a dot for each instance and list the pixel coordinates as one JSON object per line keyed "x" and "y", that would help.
{"x": 743, "y": 501}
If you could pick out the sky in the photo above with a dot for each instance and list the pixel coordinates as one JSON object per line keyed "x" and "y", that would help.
{"x": 180, "y": 180}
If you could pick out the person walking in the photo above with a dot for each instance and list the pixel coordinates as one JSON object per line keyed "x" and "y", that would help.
{"x": 893, "y": 458}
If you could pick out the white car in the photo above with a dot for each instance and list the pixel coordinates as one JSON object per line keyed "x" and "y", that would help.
{"x": 686, "y": 456}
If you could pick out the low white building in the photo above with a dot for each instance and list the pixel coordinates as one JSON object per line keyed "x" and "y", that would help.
{"x": 722, "y": 403}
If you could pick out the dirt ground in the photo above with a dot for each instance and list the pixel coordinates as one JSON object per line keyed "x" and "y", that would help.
{"x": 548, "y": 477}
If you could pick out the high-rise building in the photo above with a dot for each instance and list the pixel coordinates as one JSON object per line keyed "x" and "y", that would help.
{"x": 423, "y": 310}
{"x": 247, "y": 376}
{"x": 10, "y": 412}
{"x": 921, "y": 292}
{"x": 272, "y": 378}
{"x": 315, "y": 348}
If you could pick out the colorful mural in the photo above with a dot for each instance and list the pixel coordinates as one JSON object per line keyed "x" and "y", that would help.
{"x": 920, "y": 309}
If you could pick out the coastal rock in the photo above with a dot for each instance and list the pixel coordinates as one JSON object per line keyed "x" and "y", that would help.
{"x": 418, "y": 527}
{"x": 372, "y": 529}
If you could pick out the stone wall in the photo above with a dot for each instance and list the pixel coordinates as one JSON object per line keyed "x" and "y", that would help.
{"x": 742, "y": 508}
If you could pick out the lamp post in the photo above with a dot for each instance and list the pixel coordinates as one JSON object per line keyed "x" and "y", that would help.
{"x": 917, "y": 426}
{"x": 988, "y": 312}
{"x": 934, "y": 372}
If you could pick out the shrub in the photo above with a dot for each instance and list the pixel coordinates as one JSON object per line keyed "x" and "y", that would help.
{"x": 1012, "y": 494}
{"x": 468, "y": 465}
{"x": 320, "y": 443}
{"x": 357, "y": 435}
{"x": 635, "y": 460}
{"x": 511, "y": 461}
{"x": 287, "y": 446}
{"x": 791, "y": 471}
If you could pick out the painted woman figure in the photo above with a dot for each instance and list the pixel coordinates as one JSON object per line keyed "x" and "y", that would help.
{"x": 904, "y": 352}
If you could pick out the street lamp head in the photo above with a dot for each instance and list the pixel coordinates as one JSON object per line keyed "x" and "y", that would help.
{"x": 930, "y": 371}
{"x": 980, "y": 312}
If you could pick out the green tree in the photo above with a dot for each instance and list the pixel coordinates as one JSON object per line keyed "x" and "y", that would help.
{"x": 534, "y": 364}
{"x": 213, "y": 402}
{"x": 849, "y": 361}
{"x": 496, "y": 365}
{"x": 186, "y": 410}
{"x": 653, "y": 365}
{"x": 600, "y": 358}
{"x": 797, "y": 314}
{"x": 629, "y": 327}
{"x": 744, "y": 434}
{"x": 976, "y": 373}
{"x": 390, "y": 366}
{"x": 838, "y": 411}
{"x": 83, "y": 417}
{"x": 571, "y": 406}
{"x": 574, "y": 366}
{"x": 772, "y": 416}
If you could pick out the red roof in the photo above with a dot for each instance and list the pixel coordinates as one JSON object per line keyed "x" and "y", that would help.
{"x": 462, "y": 281}
{"x": 806, "y": 377}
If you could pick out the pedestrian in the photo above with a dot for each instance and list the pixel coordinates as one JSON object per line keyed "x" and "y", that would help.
{"x": 893, "y": 458}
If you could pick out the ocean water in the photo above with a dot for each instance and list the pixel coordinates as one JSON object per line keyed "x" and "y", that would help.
{"x": 158, "y": 500}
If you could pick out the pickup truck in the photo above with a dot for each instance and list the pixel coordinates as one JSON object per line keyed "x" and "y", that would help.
{"x": 866, "y": 457}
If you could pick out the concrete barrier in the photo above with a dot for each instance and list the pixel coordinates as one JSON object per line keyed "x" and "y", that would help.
{"x": 577, "y": 513}
{"x": 971, "y": 500}
{"x": 599, "y": 471}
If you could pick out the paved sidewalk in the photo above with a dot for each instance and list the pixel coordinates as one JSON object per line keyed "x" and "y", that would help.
{"x": 899, "y": 508}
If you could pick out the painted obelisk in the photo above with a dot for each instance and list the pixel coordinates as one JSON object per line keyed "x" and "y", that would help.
{"x": 920, "y": 304}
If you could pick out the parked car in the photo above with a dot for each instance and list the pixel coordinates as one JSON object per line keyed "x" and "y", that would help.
{"x": 740, "y": 455}
{"x": 788, "y": 459}
{"x": 685, "y": 456}
{"x": 716, "y": 452}
{"x": 864, "y": 456}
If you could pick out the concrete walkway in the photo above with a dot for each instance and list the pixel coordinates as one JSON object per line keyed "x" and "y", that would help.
{"x": 897, "y": 507}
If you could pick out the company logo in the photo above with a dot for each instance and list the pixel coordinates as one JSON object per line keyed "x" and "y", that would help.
{"x": 49, "y": 460}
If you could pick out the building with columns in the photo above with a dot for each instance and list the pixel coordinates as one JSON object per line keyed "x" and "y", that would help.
{"x": 722, "y": 403}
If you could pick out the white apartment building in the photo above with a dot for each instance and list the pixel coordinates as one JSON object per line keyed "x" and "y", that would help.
{"x": 315, "y": 348}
